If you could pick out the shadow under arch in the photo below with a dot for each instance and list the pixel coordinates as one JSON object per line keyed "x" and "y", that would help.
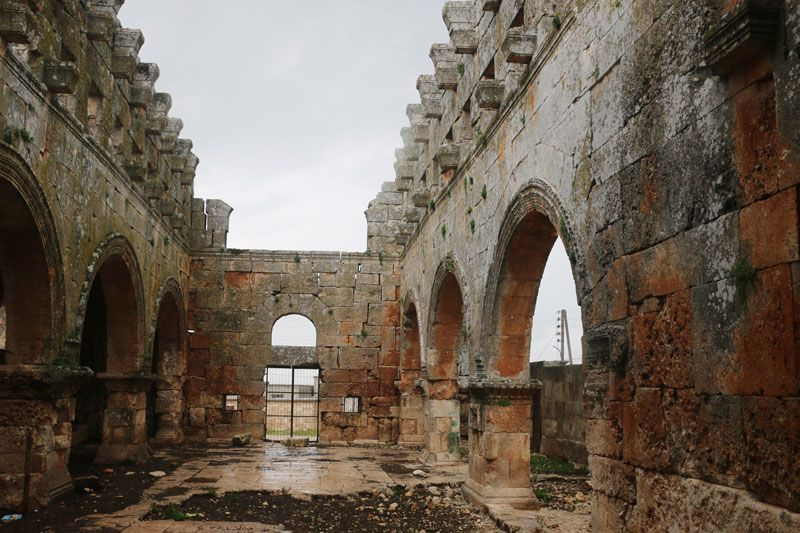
{"x": 31, "y": 270}
{"x": 165, "y": 399}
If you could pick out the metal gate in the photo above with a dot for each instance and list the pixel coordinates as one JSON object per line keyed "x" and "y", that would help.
{"x": 292, "y": 403}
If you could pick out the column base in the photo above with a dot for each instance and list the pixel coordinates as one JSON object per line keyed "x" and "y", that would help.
{"x": 483, "y": 496}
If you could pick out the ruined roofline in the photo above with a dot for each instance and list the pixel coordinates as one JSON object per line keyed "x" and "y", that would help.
{"x": 80, "y": 59}
{"x": 290, "y": 255}
{"x": 494, "y": 52}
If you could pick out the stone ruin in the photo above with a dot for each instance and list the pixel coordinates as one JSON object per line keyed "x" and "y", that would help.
{"x": 658, "y": 139}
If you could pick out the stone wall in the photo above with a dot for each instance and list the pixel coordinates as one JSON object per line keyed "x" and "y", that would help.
{"x": 659, "y": 141}
{"x": 353, "y": 301}
{"x": 97, "y": 188}
{"x": 558, "y": 411}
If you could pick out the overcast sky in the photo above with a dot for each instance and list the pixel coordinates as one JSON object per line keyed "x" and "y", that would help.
{"x": 295, "y": 110}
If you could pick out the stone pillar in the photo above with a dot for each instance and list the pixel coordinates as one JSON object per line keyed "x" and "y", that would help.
{"x": 442, "y": 441}
{"x": 412, "y": 419}
{"x": 169, "y": 410}
{"x": 36, "y": 413}
{"x": 499, "y": 455}
{"x": 124, "y": 423}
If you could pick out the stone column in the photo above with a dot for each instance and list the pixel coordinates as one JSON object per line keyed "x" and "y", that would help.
{"x": 499, "y": 455}
{"x": 412, "y": 419}
{"x": 37, "y": 408}
{"x": 442, "y": 441}
{"x": 124, "y": 423}
{"x": 169, "y": 410}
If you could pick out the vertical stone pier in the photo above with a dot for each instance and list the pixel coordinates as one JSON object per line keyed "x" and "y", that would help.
{"x": 499, "y": 457}
{"x": 442, "y": 410}
{"x": 37, "y": 407}
{"x": 124, "y": 419}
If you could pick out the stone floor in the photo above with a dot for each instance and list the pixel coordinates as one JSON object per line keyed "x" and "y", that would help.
{"x": 311, "y": 470}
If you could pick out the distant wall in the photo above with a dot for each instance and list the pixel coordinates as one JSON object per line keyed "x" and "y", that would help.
{"x": 558, "y": 411}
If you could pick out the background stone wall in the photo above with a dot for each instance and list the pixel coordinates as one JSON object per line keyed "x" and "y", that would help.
{"x": 558, "y": 411}
{"x": 353, "y": 301}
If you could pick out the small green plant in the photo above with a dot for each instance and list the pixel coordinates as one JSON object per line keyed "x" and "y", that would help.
{"x": 484, "y": 192}
{"x": 557, "y": 22}
{"x": 25, "y": 136}
{"x": 616, "y": 3}
{"x": 174, "y": 513}
{"x": 522, "y": 119}
{"x": 296, "y": 258}
{"x": 432, "y": 205}
{"x": 8, "y": 136}
{"x": 461, "y": 69}
{"x": 596, "y": 73}
{"x": 471, "y": 181}
{"x": 542, "y": 495}
{"x": 504, "y": 403}
{"x": 330, "y": 311}
{"x": 481, "y": 138}
{"x": 466, "y": 185}
{"x": 364, "y": 334}
{"x": 743, "y": 275}
{"x": 472, "y": 226}
{"x": 210, "y": 492}
{"x": 444, "y": 231}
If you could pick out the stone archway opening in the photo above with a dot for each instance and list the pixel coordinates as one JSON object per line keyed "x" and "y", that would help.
{"x": 164, "y": 397}
{"x": 501, "y": 398}
{"x": 412, "y": 419}
{"x": 292, "y": 379}
{"x": 25, "y": 289}
{"x": 443, "y": 409}
{"x": 109, "y": 414}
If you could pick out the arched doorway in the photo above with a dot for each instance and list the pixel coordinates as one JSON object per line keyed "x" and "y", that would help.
{"x": 26, "y": 311}
{"x": 109, "y": 419}
{"x": 447, "y": 337}
{"x": 164, "y": 398}
{"x": 412, "y": 419}
{"x": 292, "y": 380}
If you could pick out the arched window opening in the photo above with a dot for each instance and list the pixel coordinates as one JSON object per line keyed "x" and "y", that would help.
{"x": 556, "y": 293}
{"x": 25, "y": 311}
{"x": 294, "y": 330}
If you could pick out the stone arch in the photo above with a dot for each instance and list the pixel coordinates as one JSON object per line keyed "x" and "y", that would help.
{"x": 447, "y": 290}
{"x": 115, "y": 266}
{"x": 306, "y": 305}
{"x": 533, "y": 222}
{"x": 111, "y": 408}
{"x": 412, "y": 421}
{"x": 446, "y": 334}
{"x": 31, "y": 267}
{"x": 167, "y": 364}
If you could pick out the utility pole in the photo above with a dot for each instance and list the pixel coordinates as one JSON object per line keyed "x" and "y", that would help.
{"x": 565, "y": 330}
{"x": 560, "y": 333}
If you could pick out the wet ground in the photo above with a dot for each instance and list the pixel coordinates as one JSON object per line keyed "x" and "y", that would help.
{"x": 269, "y": 487}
